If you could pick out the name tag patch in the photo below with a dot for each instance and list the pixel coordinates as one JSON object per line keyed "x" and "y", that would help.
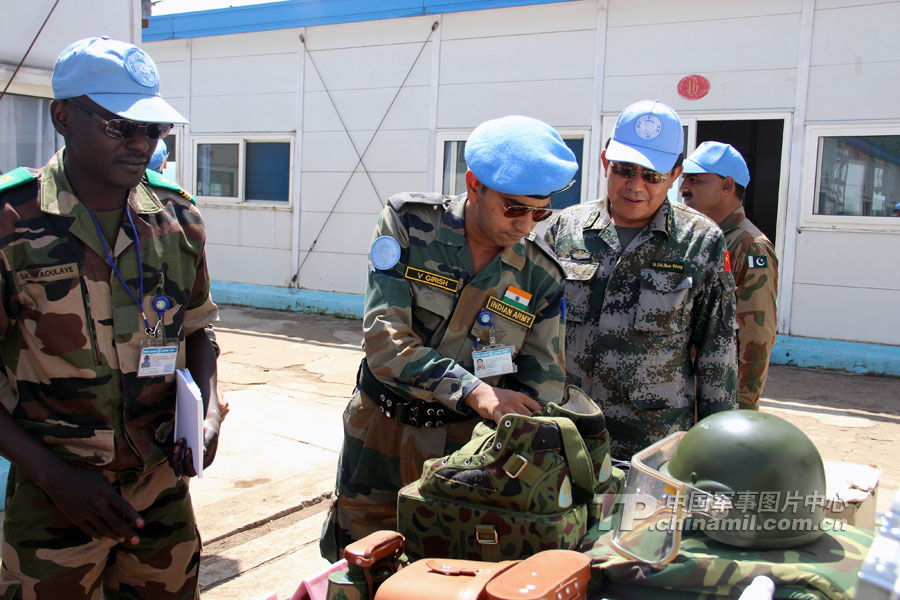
{"x": 435, "y": 279}
{"x": 508, "y": 312}
{"x": 47, "y": 274}
{"x": 661, "y": 265}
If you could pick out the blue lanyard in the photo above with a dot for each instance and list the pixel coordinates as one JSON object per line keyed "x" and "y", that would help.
{"x": 109, "y": 258}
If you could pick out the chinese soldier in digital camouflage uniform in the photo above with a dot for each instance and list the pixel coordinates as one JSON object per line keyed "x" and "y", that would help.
{"x": 715, "y": 178}
{"x": 105, "y": 292}
{"x": 450, "y": 277}
{"x": 649, "y": 292}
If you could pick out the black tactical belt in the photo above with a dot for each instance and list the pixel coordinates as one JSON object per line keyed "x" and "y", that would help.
{"x": 407, "y": 410}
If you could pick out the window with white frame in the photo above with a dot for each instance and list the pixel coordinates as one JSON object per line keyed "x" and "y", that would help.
{"x": 256, "y": 169}
{"x": 27, "y": 136}
{"x": 453, "y": 180}
{"x": 858, "y": 176}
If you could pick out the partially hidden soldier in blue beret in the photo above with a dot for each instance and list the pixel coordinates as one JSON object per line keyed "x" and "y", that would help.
{"x": 715, "y": 179}
{"x": 464, "y": 320}
{"x": 104, "y": 292}
{"x": 159, "y": 157}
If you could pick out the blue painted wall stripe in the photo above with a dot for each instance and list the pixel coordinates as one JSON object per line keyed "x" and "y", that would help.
{"x": 855, "y": 357}
{"x": 281, "y": 298}
{"x": 307, "y": 13}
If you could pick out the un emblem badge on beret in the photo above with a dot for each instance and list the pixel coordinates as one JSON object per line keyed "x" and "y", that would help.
{"x": 385, "y": 253}
{"x": 648, "y": 126}
{"x": 141, "y": 68}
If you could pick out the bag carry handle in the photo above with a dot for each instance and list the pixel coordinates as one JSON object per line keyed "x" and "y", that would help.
{"x": 581, "y": 467}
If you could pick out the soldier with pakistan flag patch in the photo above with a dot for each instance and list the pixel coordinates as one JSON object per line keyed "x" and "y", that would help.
{"x": 104, "y": 292}
{"x": 464, "y": 320}
{"x": 715, "y": 180}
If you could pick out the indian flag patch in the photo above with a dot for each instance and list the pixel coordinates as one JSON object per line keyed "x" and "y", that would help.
{"x": 516, "y": 298}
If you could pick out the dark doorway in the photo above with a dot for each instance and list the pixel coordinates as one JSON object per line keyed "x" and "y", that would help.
{"x": 760, "y": 144}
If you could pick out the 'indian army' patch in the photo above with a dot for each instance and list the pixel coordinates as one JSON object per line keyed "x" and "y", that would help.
{"x": 757, "y": 261}
{"x": 508, "y": 312}
{"x": 435, "y": 279}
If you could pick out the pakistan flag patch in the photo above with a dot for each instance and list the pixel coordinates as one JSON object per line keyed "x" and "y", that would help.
{"x": 759, "y": 261}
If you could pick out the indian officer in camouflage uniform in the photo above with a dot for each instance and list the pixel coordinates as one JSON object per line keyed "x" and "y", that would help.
{"x": 449, "y": 276}
{"x": 715, "y": 178}
{"x": 102, "y": 275}
{"x": 649, "y": 292}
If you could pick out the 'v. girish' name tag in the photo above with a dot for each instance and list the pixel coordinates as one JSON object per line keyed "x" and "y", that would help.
{"x": 435, "y": 279}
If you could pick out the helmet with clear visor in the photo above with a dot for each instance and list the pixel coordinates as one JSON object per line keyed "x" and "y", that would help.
{"x": 742, "y": 477}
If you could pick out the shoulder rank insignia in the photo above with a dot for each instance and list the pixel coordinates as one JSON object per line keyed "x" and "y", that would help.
{"x": 397, "y": 201}
{"x": 157, "y": 180}
{"x": 16, "y": 177}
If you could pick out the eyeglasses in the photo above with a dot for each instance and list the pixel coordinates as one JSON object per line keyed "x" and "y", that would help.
{"x": 123, "y": 128}
{"x": 514, "y": 211}
{"x": 628, "y": 170}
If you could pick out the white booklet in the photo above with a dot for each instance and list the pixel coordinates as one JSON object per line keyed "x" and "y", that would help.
{"x": 189, "y": 416}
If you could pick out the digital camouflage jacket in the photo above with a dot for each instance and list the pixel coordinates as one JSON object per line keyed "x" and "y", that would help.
{"x": 647, "y": 321}
{"x": 70, "y": 334}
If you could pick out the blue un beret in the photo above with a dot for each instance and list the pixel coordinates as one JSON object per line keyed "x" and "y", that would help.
{"x": 159, "y": 156}
{"x": 520, "y": 156}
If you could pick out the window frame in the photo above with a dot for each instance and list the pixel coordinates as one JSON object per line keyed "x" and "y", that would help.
{"x": 461, "y": 135}
{"x": 242, "y": 140}
{"x": 810, "y": 174}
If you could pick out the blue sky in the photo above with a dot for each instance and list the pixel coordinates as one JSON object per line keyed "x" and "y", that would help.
{"x": 167, "y": 7}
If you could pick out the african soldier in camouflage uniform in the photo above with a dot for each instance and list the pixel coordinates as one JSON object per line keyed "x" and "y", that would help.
{"x": 715, "y": 177}
{"x": 446, "y": 275}
{"x": 94, "y": 498}
{"x": 649, "y": 292}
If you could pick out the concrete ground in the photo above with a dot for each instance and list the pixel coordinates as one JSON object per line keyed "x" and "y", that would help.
{"x": 287, "y": 378}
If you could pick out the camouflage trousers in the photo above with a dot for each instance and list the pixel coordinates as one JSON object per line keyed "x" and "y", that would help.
{"x": 46, "y": 556}
{"x": 379, "y": 456}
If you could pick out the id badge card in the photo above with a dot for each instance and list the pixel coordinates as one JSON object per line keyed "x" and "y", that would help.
{"x": 493, "y": 360}
{"x": 157, "y": 357}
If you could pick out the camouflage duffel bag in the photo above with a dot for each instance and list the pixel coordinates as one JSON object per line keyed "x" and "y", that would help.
{"x": 504, "y": 495}
{"x": 591, "y": 424}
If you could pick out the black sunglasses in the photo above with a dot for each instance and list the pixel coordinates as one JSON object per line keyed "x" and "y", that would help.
{"x": 123, "y": 128}
{"x": 514, "y": 211}
{"x": 628, "y": 170}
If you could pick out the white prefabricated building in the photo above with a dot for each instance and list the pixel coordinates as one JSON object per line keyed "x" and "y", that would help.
{"x": 307, "y": 114}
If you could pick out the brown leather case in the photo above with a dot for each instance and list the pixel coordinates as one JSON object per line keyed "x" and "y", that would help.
{"x": 547, "y": 575}
{"x": 441, "y": 579}
{"x": 375, "y": 547}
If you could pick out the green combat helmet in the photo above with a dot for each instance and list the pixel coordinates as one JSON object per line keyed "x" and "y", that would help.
{"x": 744, "y": 478}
